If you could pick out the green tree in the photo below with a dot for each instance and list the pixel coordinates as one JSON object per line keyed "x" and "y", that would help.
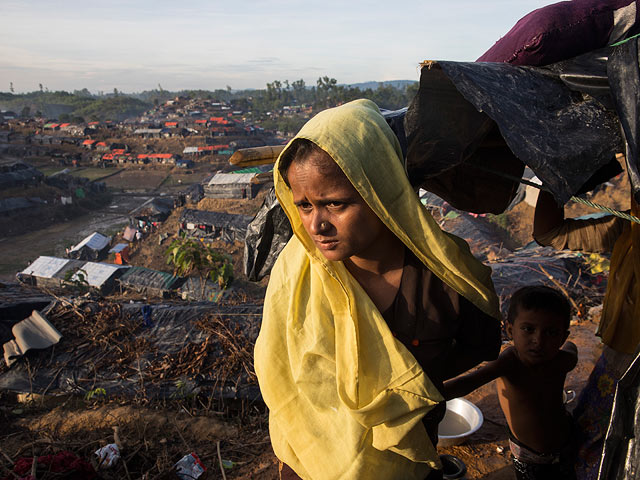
{"x": 190, "y": 256}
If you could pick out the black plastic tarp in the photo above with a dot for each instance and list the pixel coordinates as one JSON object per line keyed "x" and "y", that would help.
{"x": 145, "y": 278}
{"x": 153, "y": 210}
{"x": 227, "y": 227}
{"x": 471, "y": 122}
{"x": 65, "y": 369}
{"x": 267, "y": 234}
{"x": 621, "y": 454}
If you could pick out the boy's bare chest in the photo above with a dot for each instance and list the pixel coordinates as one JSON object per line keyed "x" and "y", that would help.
{"x": 537, "y": 386}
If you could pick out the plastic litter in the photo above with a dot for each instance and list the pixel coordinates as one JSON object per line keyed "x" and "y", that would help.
{"x": 190, "y": 467}
{"x": 108, "y": 456}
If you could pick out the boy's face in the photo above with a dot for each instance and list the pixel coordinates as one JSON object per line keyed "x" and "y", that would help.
{"x": 537, "y": 335}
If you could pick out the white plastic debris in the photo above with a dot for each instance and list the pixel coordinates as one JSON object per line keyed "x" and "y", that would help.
{"x": 190, "y": 467}
{"x": 108, "y": 455}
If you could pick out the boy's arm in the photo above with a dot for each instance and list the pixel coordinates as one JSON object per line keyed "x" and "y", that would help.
{"x": 568, "y": 356}
{"x": 465, "y": 384}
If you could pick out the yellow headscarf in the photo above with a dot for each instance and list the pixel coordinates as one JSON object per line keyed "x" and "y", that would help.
{"x": 346, "y": 398}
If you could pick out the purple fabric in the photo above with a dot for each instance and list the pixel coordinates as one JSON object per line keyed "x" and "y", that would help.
{"x": 557, "y": 32}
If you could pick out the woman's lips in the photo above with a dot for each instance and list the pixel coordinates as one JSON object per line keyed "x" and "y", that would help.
{"x": 326, "y": 244}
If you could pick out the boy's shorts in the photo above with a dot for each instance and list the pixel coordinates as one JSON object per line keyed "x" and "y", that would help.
{"x": 531, "y": 465}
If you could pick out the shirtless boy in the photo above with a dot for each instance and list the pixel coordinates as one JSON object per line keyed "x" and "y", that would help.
{"x": 530, "y": 379}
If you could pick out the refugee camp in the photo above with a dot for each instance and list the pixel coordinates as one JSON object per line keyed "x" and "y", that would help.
{"x": 425, "y": 268}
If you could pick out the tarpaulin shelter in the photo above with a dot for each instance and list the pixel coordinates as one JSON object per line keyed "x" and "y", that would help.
{"x": 562, "y": 100}
{"x": 57, "y": 273}
{"x": 17, "y": 174}
{"x": 155, "y": 209}
{"x": 227, "y": 227}
{"x": 92, "y": 247}
{"x": 120, "y": 253}
{"x": 149, "y": 282}
{"x": 129, "y": 233}
{"x": 48, "y": 272}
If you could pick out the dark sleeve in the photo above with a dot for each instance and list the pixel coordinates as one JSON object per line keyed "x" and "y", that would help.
{"x": 478, "y": 332}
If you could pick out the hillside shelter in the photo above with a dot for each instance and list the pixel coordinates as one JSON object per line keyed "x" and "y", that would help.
{"x": 151, "y": 212}
{"x": 120, "y": 253}
{"x": 207, "y": 225}
{"x": 17, "y": 174}
{"x": 54, "y": 273}
{"x": 93, "y": 247}
{"x": 232, "y": 185}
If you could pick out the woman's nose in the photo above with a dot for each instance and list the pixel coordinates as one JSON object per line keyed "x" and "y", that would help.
{"x": 319, "y": 224}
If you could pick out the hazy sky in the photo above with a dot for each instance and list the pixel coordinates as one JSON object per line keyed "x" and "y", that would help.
{"x": 135, "y": 45}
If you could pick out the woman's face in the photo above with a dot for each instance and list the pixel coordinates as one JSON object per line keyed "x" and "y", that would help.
{"x": 333, "y": 213}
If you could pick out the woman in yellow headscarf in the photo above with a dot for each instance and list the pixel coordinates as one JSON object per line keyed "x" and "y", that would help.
{"x": 369, "y": 308}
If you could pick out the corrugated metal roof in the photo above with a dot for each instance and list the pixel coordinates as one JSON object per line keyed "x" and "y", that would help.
{"x": 231, "y": 178}
{"x": 95, "y": 241}
{"x": 148, "y": 130}
{"x": 119, "y": 247}
{"x": 98, "y": 273}
{"x": 45, "y": 267}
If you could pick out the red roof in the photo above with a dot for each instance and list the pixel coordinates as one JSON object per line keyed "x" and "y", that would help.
{"x": 54, "y": 125}
{"x": 62, "y": 125}
{"x": 201, "y": 121}
{"x": 161, "y": 155}
{"x": 142, "y": 155}
{"x": 93, "y": 123}
{"x": 118, "y": 151}
{"x": 170, "y": 124}
{"x": 107, "y": 156}
{"x": 88, "y": 142}
{"x": 101, "y": 144}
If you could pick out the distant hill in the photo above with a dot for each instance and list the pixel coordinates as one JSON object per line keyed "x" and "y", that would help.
{"x": 399, "y": 84}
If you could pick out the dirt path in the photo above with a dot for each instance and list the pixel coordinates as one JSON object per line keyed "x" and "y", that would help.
{"x": 17, "y": 252}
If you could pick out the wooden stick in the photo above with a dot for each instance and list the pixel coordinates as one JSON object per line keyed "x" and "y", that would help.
{"x": 246, "y": 157}
{"x": 224, "y": 475}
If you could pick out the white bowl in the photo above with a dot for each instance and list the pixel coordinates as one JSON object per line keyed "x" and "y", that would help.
{"x": 461, "y": 420}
